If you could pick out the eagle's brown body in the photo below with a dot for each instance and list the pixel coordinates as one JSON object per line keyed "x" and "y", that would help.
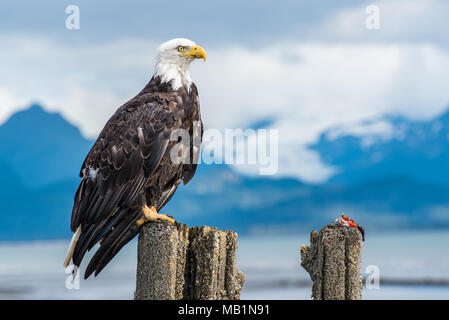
{"x": 130, "y": 166}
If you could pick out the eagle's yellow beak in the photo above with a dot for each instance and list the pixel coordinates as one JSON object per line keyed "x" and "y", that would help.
{"x": 196, "y": 52}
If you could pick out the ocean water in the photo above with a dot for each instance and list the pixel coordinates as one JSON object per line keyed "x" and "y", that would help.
{"x": 33, "y": 270}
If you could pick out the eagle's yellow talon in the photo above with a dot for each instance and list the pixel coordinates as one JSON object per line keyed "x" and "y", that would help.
{"x": 164, "y": 217}
{"x": 140, "y": 222}
{"x": 150, "y": 214}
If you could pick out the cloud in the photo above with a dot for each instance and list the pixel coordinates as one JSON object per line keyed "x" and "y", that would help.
{"x": 309, "y": 87}
{"x": 86, "y": 83}
{"x": 381, "y": 128}
{"x": 305, "y": 87}
{"x": 370, "y": 132}
{"x": 9, "y": 103}
{"x": 400, "y": 21}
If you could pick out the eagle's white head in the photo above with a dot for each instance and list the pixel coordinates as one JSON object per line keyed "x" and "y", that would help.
{"x": 173, "y": 61}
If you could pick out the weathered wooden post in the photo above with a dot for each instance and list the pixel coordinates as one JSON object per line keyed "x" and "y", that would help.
{"x": 161, "y": 259}
{"x": 334, "y": 262}
{"x": 177, "y": 262}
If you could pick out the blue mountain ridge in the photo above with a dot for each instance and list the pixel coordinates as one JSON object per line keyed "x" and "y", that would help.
{"x": 416, "y": 149}
{"x": 41, "y": 147}
{"x": 405, "y": 187}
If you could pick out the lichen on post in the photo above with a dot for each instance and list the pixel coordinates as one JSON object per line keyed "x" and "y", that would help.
{"x": 161, "y": 261}
{"x": 211, "y": 270}
{"x": 177, "y": 262}
{"x": 333, "y": 261}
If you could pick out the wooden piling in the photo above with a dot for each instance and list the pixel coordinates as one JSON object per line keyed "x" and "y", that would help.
{"x": 334, "y": 262}
{"x": 177, "y": 262}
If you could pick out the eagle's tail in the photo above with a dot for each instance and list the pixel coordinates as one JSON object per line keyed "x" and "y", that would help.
{"x": 72, "y": 246}
{"x": 111, "y": 244}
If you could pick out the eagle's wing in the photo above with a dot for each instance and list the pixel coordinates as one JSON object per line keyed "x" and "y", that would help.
{"x": 196, "y": 133}
{"x": 188, "y": 169}
{"x": 118, "y": 166}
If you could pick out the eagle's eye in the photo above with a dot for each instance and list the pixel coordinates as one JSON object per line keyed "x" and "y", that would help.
{"x": 181, "y": 48}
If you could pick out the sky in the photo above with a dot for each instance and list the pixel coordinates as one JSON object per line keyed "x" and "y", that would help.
{"x": 306, "y": 66}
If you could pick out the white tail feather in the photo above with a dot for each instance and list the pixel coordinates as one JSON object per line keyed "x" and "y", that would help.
{"x": 72, "y": 245}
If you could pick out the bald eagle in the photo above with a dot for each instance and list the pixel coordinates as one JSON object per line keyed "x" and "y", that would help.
{"x": 128, "y": 175}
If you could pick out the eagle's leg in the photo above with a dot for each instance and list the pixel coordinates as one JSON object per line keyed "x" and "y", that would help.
{"x": 150, "y": 214}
